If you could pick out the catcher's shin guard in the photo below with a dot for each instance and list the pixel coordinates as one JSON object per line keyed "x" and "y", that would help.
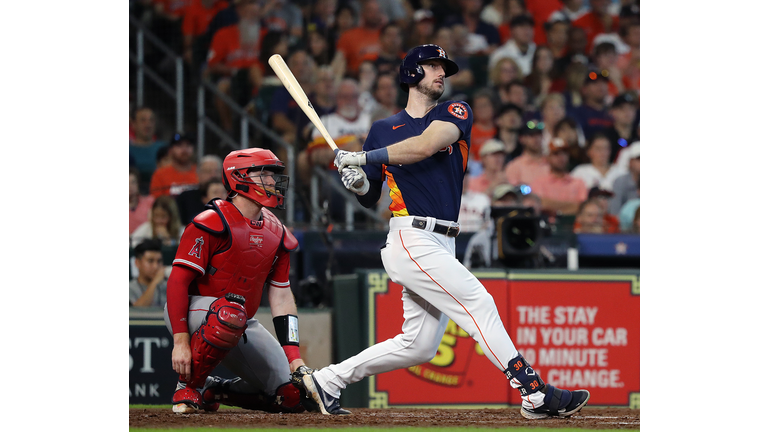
{"x": 221, "y": 330}
{"x": 287, "y": 397}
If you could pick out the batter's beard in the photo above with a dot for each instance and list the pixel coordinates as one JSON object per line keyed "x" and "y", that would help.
{"x": 427, "y": 90}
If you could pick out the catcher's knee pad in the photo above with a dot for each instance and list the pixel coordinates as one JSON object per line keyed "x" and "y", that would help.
{"x": 221, "y": 330}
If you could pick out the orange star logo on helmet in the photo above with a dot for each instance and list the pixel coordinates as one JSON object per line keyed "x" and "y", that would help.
{"x": 441, "y": 52}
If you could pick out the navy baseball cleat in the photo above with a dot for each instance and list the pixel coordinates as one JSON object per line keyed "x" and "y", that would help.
{"x": 319, "y": 399}
{"x": 554, "y": 403}
{"x": 557, "y": 403}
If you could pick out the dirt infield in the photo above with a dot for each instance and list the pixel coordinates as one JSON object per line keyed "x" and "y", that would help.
{"x": 589, "y": 418}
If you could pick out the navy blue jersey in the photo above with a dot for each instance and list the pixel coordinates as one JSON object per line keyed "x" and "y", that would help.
{"x": 433, "y": 186}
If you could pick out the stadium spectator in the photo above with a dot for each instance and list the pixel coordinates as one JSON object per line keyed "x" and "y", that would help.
{"x": 493, "y": 12}
{"x": 518, "y": 94}
{"x": 605, "y": 59}
{"x": 366, "y": 76}
{"x": 509, "y": 119}
{"x": 385, "y": 92}
{"x": 589, "y": 219}
{"x": 599, "y": 172}
{"x": 624, "y": 130}
{"x": 627, "y": 186}
{"x": 423, "y": 29}
{"x": 520, "y": 46}
{"x": 552, "y": 112}
{"x": 451, "y": 41}
{"x": 570, "y": 11}
{"x": 163, "y": 224}
{"x": 181, "y": 173}
{"x": 348, "y": 125}
{"x": 629, "y": 62}
{"x": 322, "y": 17}
{"x": 286, "y": 118}
{"x": 597, "y": 21}
{"x": 557, "y": 38}
{"x": 560, "y": 192}
{"x": 196, "y": 19}
{"x": 504, "y": 72}
{"x": 592, "y": 115}
{"x": 636, "y": 222}
{"x": 284, "y": 16}
{"x": 354, "y": 44}
{"x": 273, "y": 42}
{"x": 573, "y": 81}
{"x": 322, "y": 48}
{"x": 387, "y": 60}
{"x": 148, "y": 289}
{"x": 512, "y": 9}
{"x": 540, "y": 11}
{"x": 144, "y": 146}
{"x": 323, "y": 100}
{"x": 394, "y": 11}
{"x": 482, "y": 38}
{"x": 601, "y": 197}
{"x": 167, "y": 19}
{"x": 475, "y": 209}
{"x": 233, "y": 59}
{"x": 539, "y": 81}
{"x": 139, "y": 205}
{"x": 483, "y": 127}
{"x": 575, "y": 52}
{"x": 628, "y": 214}
{"x": 492, "y": 157}
{"x": 569, "y": 131}
{"x": 531, "y": 164}
{"x": 191, "y": 202}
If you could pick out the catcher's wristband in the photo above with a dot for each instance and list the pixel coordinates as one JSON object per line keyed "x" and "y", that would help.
{"x": 287, "y": 331}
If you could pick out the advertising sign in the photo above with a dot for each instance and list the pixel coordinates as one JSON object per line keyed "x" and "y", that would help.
{"x": 578, "y": 331}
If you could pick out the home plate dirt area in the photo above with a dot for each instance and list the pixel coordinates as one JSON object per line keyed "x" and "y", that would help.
{"x": 588, "y": 418}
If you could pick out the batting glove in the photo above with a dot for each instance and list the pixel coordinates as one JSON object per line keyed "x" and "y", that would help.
{"x": 345, "y": 158}
{"x": 353, "y": 175}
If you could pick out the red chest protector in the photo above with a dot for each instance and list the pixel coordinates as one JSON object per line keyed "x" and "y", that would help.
{"x": 242, "y": 267}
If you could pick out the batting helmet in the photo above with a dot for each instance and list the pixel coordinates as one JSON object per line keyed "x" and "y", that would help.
{"x": 238, "y": 176}
{"x": 411, "y": 71}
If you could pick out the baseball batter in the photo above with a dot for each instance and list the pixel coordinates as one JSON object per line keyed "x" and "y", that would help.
{"x": 422, "y": 154}
{"x": 225, "y": 257}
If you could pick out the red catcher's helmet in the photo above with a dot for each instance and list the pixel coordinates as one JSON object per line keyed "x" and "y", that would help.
{"x": 238, "y": 176}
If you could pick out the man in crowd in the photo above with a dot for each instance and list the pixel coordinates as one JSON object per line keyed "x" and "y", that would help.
{"x": 191, "y": 202}
{"x": 531, "y": 164}
{"x": 148, "y": 289}
{"x": 560, "y": 192}
{"x": 180, "y": 174}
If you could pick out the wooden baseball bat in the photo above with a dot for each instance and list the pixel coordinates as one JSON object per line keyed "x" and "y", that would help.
{"x": 292, "y": 85}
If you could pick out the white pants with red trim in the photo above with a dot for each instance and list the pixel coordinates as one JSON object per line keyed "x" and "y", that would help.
{"x": 436, "y": 286}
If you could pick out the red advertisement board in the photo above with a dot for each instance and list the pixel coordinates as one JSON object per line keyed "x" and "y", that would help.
{"x": 458, "y": 375}
{"x": 578, "y": 331}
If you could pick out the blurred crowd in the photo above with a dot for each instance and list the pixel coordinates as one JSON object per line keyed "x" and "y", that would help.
{"x": 553, "y": 84}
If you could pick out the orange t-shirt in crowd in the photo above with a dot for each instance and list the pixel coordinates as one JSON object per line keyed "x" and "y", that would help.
{"x": 356, "y": 43}
{"x": 197, "y": 17}
{"x": 593, "y": 26}
{"x": 174, "y": 8}
{"x": 567, "y": 188}
{"x": 610, "y": 225}
{"x": 168, "y": 180}
{"x": 525, "y": 168}
{"x": 540, "y": 10}
{"x": 226, "y": 48}
{"x": 478, "y": 137}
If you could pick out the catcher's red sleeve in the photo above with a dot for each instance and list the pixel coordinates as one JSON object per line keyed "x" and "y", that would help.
{"x": 178, "y": 297}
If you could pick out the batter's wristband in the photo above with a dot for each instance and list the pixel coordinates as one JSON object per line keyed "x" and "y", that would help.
{"x": 378, "y": 156}
{"x": 287, "y": 329}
